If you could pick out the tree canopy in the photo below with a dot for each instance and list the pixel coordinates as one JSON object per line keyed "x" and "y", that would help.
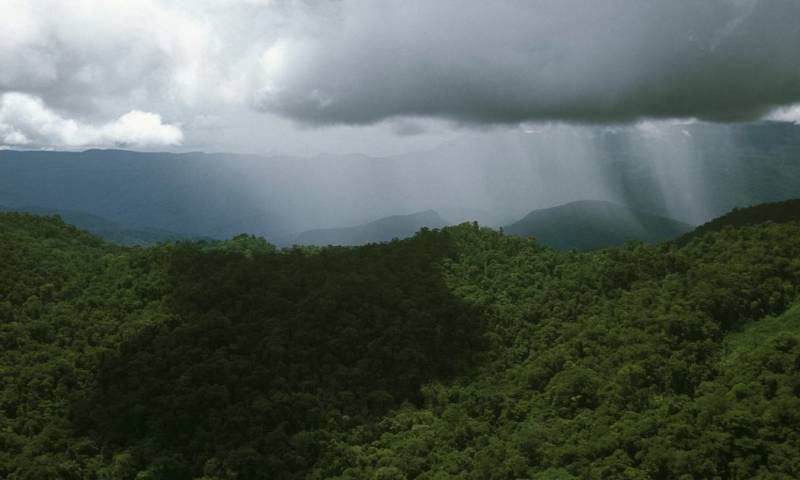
{"x": 460, "y": 353}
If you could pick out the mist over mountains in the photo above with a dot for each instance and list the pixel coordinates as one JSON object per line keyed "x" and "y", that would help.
{"x": 687, "y": 172}
{"x": 382, "y": 230}
{"x": 590, "y": 224}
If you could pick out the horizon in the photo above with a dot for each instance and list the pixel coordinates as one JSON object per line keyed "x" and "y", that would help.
{"x": 643, "y": 126}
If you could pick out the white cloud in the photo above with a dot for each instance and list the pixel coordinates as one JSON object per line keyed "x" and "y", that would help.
{"x": 92, "y": 56}
{"x": 26, "y": 120}
{"x": 139, "y": 128}
{"x": 789, "y": 114}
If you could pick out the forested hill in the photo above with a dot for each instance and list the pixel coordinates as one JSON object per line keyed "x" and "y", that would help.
{"x": 778, "y": 212}
{"x": 460, "y": 353}
{"x": 106, "y": 229}
{"x": 589, "y": 224}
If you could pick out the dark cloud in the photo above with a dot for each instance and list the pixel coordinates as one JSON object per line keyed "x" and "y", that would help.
{"x": 511, "y": 61}
{"x": 98, "y": 71}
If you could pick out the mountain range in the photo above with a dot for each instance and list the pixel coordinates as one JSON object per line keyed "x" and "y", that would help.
{"x": 690, "y": 173}
{"x": 582, "y": 225}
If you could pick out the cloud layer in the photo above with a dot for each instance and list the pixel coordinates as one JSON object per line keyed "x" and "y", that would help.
{"x": 26, "y": 121}
{"x": 92, "y": 68}
{"x": 510, "y": 61}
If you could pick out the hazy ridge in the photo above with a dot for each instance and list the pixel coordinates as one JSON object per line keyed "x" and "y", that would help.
{"x": 690, "y": 173}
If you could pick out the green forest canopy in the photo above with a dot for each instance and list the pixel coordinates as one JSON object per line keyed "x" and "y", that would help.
{"x": 460, "y": 353}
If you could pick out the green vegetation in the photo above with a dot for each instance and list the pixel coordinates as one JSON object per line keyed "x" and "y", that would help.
{"x": 459, "y": 353}
{"x": 106, "y": 229}
{"x": 778, "y": 212}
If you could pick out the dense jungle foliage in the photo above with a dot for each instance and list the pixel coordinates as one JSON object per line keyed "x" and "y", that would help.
{"x": 777, "y": 212}
{"x": 459, "y": 353}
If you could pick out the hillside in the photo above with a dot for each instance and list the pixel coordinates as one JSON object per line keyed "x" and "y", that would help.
{"x": 778, "y": 212}
{"x": 589, "y": 224}
{"x": 382, "y": 230}
{"x": 106, "y": 229}
{"x": 457, "y": 353}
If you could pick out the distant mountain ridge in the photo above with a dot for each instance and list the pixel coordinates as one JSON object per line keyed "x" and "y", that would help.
{"x": 381, "y": 230}
{"x": 589, "y": 224}
{"x": 691, "y": 173}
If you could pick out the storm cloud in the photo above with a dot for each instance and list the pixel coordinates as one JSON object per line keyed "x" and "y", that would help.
{"x": 254, "y": 74}
{"x": 511, "y": 61}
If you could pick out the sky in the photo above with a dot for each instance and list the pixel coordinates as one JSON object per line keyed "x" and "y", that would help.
{"x": 307, "y": 77}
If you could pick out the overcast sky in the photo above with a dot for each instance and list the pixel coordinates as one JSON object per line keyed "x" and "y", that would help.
{"x": 380, "y": 76}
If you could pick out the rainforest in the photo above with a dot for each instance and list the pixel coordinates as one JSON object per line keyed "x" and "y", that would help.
{"x": 459, "y": 353}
